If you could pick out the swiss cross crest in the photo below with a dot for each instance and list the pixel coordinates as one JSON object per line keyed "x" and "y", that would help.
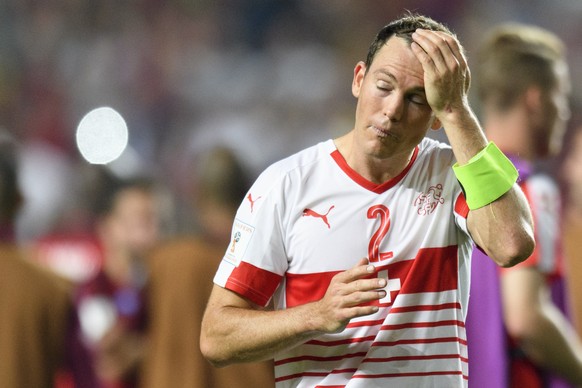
{"x": 426, "y": 203}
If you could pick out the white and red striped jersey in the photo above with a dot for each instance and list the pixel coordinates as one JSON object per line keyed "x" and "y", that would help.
{"x": 311, "y": 216}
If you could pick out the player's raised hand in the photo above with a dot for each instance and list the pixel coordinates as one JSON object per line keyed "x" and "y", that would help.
{"x": 347, "y": 295}
{"x": 446, "y": 74}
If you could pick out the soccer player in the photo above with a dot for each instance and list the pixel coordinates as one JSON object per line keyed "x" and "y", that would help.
{"x": 349, "y": 261}
{"x": 524, "y": 86}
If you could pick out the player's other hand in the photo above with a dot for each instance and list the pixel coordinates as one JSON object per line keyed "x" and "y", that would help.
{"x": 348, "y": 296}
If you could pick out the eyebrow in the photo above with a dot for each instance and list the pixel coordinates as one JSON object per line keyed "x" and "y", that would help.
{"x": 386, "y": 73}
{"x": 418, "y": 89}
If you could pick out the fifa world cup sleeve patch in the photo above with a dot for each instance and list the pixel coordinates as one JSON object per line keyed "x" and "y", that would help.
{"x": 239, "y": 241}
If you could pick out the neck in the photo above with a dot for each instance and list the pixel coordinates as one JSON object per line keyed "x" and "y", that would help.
{"x": 374, "y": 167}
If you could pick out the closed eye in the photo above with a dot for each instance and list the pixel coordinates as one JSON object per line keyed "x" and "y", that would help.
{"x": 384, "y": 86}
{"x": 419, "y": 99}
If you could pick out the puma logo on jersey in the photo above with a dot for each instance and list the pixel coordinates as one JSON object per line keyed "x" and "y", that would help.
{"x": 252, "y": 201}
{"x": 312, "y": 213}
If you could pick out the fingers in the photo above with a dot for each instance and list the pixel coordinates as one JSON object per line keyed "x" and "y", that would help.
{"x": 360, "y": 270}
{"x": 359, "y": 285}
{"x": 440, "y": 50}
{"x": 446, "y": 74}
{"x": 351, "y": 294}
{"x": 427, "y": 52}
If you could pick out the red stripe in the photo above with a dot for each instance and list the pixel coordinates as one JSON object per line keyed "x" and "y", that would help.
{"x": 375, "y": 376}
{"x": 416, "y": 358}
{"x": 423, "y": 324}
{"x": 374, "y": 187}
{"x": 319, "y": 358}
{"x": 330, "y": 386}
{"x": 362, "y": 354}
{"x": 430, "y": 261}
{"x": 421, "y": 341}
{"x": 407, "y": 309}
{"x": 461, "y": 207}
{"x": 387, "y": 343}
{"x": 341, "y": 342}
{"x": 412, "y": 374}
{"x": 304, "y": 288}
{"x": 254, "y": 283}
{"x": 435, "y": 307}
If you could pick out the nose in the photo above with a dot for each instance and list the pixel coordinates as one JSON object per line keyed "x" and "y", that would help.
{"x": 393, "y": 106}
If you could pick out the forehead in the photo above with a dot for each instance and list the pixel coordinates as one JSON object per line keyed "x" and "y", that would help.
{"x": 396, "y": 58}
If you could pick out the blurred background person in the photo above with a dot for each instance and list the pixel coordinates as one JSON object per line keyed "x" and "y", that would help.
{"x": 129, "y": 219}
{"x": 179, "y": 284}
{"x": 38, "y": 324}
{"x": 523, "y": 84}
{"x": 571, "y": 174}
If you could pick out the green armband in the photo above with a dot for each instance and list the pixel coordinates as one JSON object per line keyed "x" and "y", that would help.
{"x": 486, "y": 177}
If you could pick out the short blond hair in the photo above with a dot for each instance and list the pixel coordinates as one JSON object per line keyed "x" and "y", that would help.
{"x": 514, "y": 57}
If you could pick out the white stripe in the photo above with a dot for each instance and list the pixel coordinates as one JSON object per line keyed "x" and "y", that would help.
{"x": 426, "y": 299}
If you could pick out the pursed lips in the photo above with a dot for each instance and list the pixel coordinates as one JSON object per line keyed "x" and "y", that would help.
{"x": 383, "y": 132}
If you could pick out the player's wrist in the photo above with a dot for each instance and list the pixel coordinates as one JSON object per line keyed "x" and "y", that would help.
{"x": 486, "y": 177}
{"x": 311, "y": 318}
{"x": 459, "y": 116}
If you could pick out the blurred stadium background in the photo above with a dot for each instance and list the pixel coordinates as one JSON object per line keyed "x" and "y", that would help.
{"x": 266, "y": 78}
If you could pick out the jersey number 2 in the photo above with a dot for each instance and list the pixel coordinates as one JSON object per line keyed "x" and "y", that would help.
{"x": 381, "y": 212}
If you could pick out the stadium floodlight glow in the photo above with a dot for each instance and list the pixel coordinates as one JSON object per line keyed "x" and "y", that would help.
{"x": 102, "y": 135}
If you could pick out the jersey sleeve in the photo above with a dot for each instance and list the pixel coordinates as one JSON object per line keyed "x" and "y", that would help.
{"x": 461, "y": 211}
{"x": 255, "y": 261}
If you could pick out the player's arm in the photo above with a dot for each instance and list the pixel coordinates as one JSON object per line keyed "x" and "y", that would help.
{"x": 541, "y": 330}
{"x": 236, "y": 330}
{"x": 503, "y": 228}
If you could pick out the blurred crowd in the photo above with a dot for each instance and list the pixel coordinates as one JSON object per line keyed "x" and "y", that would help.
{"x": 250, "y": 80}
{"x": 265, "y": 78}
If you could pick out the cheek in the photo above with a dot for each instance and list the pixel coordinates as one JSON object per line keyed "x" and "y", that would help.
{"x": 366, "y": 106}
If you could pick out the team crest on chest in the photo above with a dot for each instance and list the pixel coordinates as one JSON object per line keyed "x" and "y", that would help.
{"x": 426, "y": 203}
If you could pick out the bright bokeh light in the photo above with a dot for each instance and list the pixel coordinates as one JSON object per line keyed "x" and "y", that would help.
{"x": 102, "y": 135}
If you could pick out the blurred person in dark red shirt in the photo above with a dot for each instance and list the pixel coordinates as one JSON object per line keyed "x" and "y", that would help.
{"x": 111, "y": 304}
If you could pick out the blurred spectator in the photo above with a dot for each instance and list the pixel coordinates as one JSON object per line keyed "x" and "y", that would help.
{"x": 572, "y": 177}
{"x": 523, "y": 84}
{"x": 37, "y": 317}
{"x": 179, "y": 286}
{"x": 111, "y": 306}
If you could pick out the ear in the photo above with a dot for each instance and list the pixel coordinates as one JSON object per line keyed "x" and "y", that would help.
{"x": 436, "y": 125}
{"x": 359, "y": 72}
{"x": 532, "y": 98}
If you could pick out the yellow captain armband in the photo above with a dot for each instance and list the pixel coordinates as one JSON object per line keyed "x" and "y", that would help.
{"x": 486, "y": 177}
